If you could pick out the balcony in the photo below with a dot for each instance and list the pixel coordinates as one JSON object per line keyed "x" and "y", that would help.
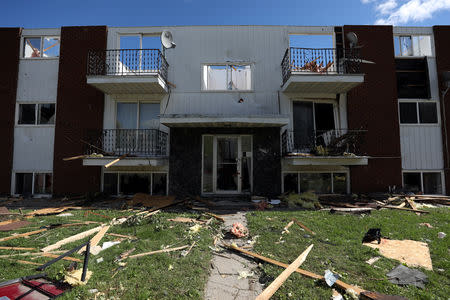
{"x": 128, "y": 71}
{"x": 320, "y": 71}
{"x": 326, "y": 147}
{"x": 142, "y": 147}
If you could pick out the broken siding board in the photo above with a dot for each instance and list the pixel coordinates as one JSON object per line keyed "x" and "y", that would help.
{"x": 158, "y": 251}
{"x": 96, "y": 239}
{"x": 16, "y": 248}
{"x": 73, "y": 238}
{"x": 22, "y": 235}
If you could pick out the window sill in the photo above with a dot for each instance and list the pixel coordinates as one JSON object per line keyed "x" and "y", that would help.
{"x": 420, "y": 124}
{"x": 40, "y": 58}
{"x": 35, "y": 125}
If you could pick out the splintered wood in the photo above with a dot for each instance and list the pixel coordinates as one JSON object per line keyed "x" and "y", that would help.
{"x": 73, "y": 238}
{"x": 22, "y": 235}
{"x": 95, "y": 240}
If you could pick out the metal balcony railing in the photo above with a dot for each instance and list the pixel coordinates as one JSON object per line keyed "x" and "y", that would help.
{"x": 127, "y": 62}
{"x": 336, "y": 142}
{"x": 320, "y": 61}
{"x": 134, "y": 142}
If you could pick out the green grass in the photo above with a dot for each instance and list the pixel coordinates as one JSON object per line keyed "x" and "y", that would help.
{"x": 345, "y": 253}
{"x": 146, "y": 277}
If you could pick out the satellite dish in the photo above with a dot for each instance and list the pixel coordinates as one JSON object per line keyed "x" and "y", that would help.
{"x": 352, "y": 38}
{"x": 167, "y": 39}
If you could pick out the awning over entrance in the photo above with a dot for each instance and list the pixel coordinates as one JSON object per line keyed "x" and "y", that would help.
{"x": 181, "y": 120}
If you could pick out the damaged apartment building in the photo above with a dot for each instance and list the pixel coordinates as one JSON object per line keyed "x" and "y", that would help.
{"x": 231, "y": 110}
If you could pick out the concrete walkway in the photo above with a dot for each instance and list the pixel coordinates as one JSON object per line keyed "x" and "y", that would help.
{"x": 224, "y": 282}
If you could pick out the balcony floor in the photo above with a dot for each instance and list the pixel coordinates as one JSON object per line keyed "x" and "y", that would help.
{"x": 327, "y": 160}
{"x": 129, "y": 84}
{"x": 314, "y": 83}
{"x": 126, "y": 162}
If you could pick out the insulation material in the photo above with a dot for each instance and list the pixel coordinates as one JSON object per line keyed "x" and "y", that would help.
{"x": 412, "y": 253}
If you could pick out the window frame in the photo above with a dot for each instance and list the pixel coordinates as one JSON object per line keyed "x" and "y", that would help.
{"x": 36, "y": 195}
{"x": 118, "y": 173}
{"x": 417, "y": 101}
{"x": 411, "y": 36}
{"x": 138, "y": 103}
{"x": 421, "y": 172}
{"x": 298, "y": 173}
{"x": 203, "y": 88}
{"x": 42, "y": 37}
{"x": 36, "y": 114}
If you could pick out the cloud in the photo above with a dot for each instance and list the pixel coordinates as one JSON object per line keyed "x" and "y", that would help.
{"x": 397, "y": 12}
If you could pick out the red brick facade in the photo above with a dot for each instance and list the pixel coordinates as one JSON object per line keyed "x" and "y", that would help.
{"x": 373, "y": 106}
{"x": 79, "y": 108}
{"x": 9, "y": 72}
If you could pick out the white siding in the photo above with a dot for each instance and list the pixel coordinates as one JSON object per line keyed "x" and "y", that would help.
{"x": 33, "y": 148}
{"x": 38, "y": 80}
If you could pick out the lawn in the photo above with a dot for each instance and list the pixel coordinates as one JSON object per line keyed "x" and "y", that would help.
{"x": 338, "y": 247}
{"x": 159, "y": 276}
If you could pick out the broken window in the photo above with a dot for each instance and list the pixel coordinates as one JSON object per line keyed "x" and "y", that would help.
{"x": 43, "y": 46}
{"x": 208, "y": 154}
{"x": 319, "y": 183}
{"x": 412, "y": 45}
{"x": 159, "y": 184}
{"x": 46, "y": 113}
{"x": 110, "y": 183}
{"x": 33, "y": 183}
{"x": 32, "y": 114}
{"x": 134, "y": 183}
{"x": 27, "y": 114}
{"x": 227, "y": 77}
{"x": 418, "y": 113}
{"x": 426, "y": 182}
{"x": 131, "y": 183}
{"x": 311, "y": 119}
{"x": 412, "y": 78}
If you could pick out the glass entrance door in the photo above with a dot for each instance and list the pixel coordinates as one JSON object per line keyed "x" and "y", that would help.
{"x": 227, "y": 164}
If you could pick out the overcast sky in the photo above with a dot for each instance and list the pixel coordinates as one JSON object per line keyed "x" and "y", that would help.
{"x": 56, "y": 13}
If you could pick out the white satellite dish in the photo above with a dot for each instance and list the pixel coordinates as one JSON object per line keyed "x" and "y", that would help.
{"x": 167, "y": 39}
{"x": 352, "y": 38}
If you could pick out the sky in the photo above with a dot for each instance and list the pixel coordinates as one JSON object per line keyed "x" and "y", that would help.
{"x": 57, "y": 13}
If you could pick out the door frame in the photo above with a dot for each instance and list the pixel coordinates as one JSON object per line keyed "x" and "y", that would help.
{"x": 239, "y": 164}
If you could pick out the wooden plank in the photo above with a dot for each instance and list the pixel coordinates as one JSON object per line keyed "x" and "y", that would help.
{"x": 73, "y": 238}
{"x": 25, "y": 262}
{"x": 303, "y": 226}
{"x": 186, "y": 220}
{"x": 8, "y": 222}
{"x": 158, "y": 251}
{"x": 276, "y": 284}
{"x": 339, "y": 283}
{"x": 115, "y": 161}
{"x": 123, "y": 236}
{"x": 412, "y": 204}
{"x": 96, "y": 239}
{"x": 65, "y": 258}
{"x": 215, "y": 216}
{"x": 22, "y": 235}
{"x": 16, "y": 248}
{"x": 406, "y": 209}
{"x": 75, "y": 157}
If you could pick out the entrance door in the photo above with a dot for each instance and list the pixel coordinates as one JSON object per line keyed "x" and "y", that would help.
{"x": 227, "y": 164}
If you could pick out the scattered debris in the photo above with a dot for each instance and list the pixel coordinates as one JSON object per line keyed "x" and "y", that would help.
{"x": 39, "y": 285}
{"x": 186, "y": 220}
{"x": 156, "y": 202}
{"x": 17, "y": 248}
{"x": 195, "y": 229}
{"x": 286, "y": 228}
{"x": 73, "y": 238}
{"x": 99, "y": 260}
{"x": 14, "y": 225}
{"x": 303, "y": 226}
{"x": 123, "y": 236}
{"x": 26, "y": 234}
{"x": 276, "y": 284}
{"x": 95, "y": 240}
{"x": 378, "y": 296}
{"x": 184, "y": 253}
{"x": 373, "y": 234}
{"x": 402, "y": 275}
{"x": 407, "y": 209}
{"x": 330, "y": 277}
{"x": 239, "y": 230}
{"x": 158, "y": 251}
{"x": 74, "y": 277}
{"x": 412, "y": 253}
{"x": 426, "y": 224}
{"x": 245, "y": 274}
{"x": 336, "y": 296}
{"x": 307, "y": 200}
{"x": 215, "y": 216}
{"x": 442, "y": 235}
{"x": 65, "y": 215}
{"x": 372, "y": 260}
{"x": 353, "y": 210}
{"x": 125, "y": 254}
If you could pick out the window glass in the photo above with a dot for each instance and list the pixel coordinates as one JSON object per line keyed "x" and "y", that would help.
{"x": 339, "y": 183}
{"x": 47, "y": 113}
{"x": 240, "y": 78}
{"x": 324, "y": 116}
{"x": 32, "y": 47}
{"x": 290, "y": 183}
{"x": 110, "y": 183}
{"x": 319, "y": 183}
{"x": 397, "y": 46}
{"x": 428, "y": 112}
{"x": 216, "y": 77}
{"x": 425, "y": 45}
{"x": 303, "y": 125}
{"x": 406, "y": 46}
{"x": 24, "y": 183}
{"x": 408, "y": 112}
{"x": 148, "y": 115}
{"x": 27, "y": 114}
{"x": 126, "y": 115}
{"x": 51, "y": 47}
{"x": 208, "y": 164}
{"x": 159, "y": 184}
{"x": 411, "y": 182}
{"x": 432, "y": 183}
{"x": 227, "y": 77}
